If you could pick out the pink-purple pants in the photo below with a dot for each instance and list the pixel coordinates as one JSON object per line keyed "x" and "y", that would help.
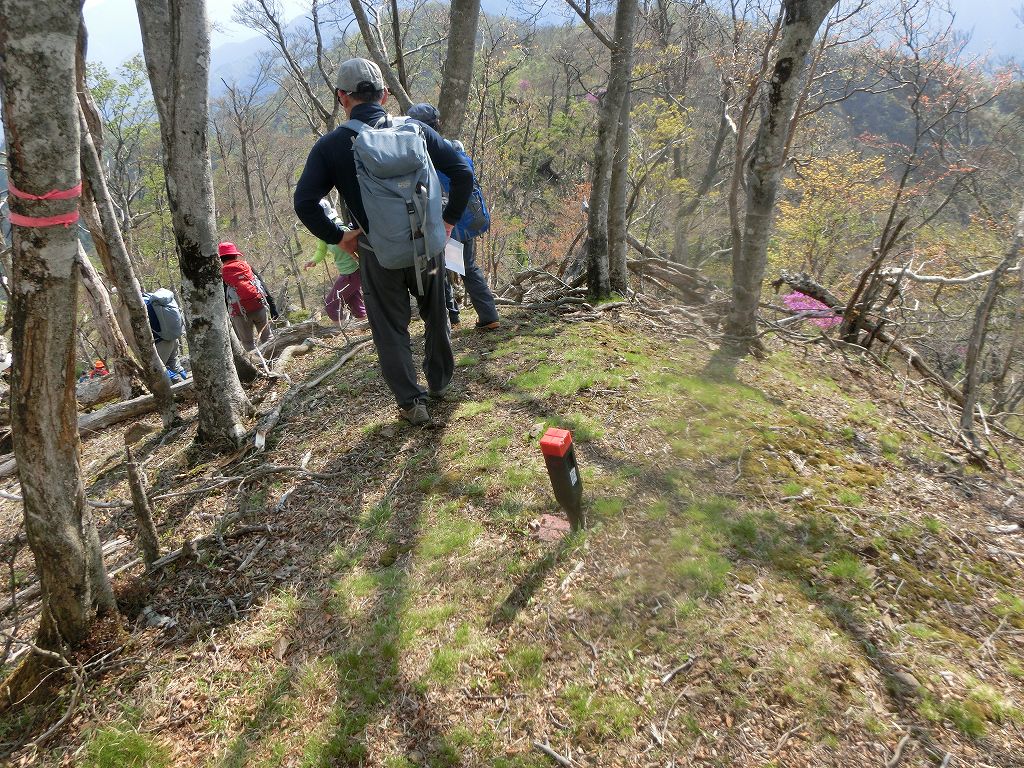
{"x": 350, "y": 289}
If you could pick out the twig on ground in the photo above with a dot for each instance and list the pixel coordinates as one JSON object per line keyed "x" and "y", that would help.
{"x": 205, "y": 541}
{"x": 898, "y": 754}
{"x": 783, "y": 739}
{"x": 547, "y": 750}
{"x": 684, "y": 667}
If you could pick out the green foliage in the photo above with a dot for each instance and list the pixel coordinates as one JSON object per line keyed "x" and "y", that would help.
{"x": 117, "y": 747}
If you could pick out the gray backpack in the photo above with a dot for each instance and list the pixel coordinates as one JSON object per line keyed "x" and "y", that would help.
{"x": 401, "y": 194}
{"x": 164, "y": 315}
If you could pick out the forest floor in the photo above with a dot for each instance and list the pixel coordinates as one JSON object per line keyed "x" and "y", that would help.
{"x": 787, "y": 564}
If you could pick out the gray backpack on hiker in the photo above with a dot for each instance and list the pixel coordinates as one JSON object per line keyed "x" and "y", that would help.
{"x": 401, "y": 194}
{"x": 164, "y": 315}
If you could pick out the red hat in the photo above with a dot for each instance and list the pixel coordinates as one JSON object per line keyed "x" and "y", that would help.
{"x": 228, "y": 249}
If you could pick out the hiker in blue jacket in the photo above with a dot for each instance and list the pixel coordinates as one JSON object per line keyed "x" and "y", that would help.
{"x": 362, "y": 94}
{"x": 476, "y": 284}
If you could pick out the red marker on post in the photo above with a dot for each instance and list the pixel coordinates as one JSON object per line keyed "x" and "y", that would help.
{"x": 560, "y": 458}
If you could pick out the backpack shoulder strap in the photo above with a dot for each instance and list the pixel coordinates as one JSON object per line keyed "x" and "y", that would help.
{"x": 356, "y": 125}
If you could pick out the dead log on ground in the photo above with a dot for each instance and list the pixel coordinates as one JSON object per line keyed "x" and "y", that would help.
{"x": 110, "y": 415}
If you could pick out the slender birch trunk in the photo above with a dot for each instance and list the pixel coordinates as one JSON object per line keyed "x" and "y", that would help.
{"x": 371, "y": 37}
{"x": 101, "y": 217}
{"x": 618, "y": 274}
{"x": 976, "y": 344}
{"x": 119, "y": 358}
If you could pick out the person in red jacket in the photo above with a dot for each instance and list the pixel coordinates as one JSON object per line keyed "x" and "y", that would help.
{"x": 246, "y": 297}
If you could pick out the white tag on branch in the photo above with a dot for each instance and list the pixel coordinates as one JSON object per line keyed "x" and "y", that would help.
{"x": 261, "y": 439}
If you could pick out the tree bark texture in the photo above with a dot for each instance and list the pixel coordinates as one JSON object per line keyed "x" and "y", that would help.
{"x": 801, "y": 20}
{"x": 976, "y": 344}
{"x": 119, "y": 358}
{"x": 37, "y": 66}
{"x": 376, "y": 48}
{"x": 176, "y": 44}
{"x": 598, "y": 277}
{"x": 457, "y": 74}
{"x": 617, "y": 204}
{"x": 102, "y": 219}
{"x": 396, "y": 33}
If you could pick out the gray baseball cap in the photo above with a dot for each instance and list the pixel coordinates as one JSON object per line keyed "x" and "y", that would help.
{"x": 359, "y": 75}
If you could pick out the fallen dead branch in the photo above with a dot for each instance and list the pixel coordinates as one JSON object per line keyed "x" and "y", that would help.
{"x": 194, "y": 545}
{"x": 269, "y": 421}
{"x": 547, "y": 750}
{"x": 805, "y": 285}
{"x": 110, "y": 415}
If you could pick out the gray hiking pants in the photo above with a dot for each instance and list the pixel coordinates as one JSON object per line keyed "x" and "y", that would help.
{"x": 244, "y": 323}
{"x": 168, "y": 351}
{"x": 386, "y": 294}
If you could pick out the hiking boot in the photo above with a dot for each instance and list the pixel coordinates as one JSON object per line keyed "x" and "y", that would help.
{"x": 490, "y": 326}
{"x": 442, "y": 393}
{"x": 416, "y": 415}
{"x": 454, "y": 320}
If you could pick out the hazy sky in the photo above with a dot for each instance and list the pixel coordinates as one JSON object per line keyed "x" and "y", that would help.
{"x": 114, "y": 28}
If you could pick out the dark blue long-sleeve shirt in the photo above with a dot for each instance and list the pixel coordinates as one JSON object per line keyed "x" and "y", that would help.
{"x": 331, "y": 164}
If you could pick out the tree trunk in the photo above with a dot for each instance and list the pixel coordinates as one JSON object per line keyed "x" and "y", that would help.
{"x": 801, "y": 20}
{"x": 101, "y": 217}
{"x": 457, "y": 72}
{"x": 379, "y": 56}
{"x": 976, "y": 344}
{"x": 598, "y": 277}
{"x": 176, "y": 44}
{"x": 119, "y": 358}
{"x": 396, "y": 33}
{"x": 37, "y": 66}
{"x": 617, "y": 206}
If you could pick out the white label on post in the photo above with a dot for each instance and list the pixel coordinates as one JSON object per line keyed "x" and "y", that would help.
{"x": 572, "y": 476}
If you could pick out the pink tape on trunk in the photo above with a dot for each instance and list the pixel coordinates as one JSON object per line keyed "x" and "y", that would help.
{"x": 64, "y": 219}
{"x": 53, "y": 194}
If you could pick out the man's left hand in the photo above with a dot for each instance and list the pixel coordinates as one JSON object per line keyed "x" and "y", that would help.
{"x": 448, "y": 230}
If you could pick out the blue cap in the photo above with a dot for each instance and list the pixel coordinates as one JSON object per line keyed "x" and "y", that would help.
{"x": 425, "y": 113}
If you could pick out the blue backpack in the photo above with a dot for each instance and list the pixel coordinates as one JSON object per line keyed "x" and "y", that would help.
{"x": 476, "y": 219}
{"x": 401, "y": 194}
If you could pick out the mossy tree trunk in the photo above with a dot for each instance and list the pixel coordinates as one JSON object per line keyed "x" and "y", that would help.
{"x": 37, "y": 66}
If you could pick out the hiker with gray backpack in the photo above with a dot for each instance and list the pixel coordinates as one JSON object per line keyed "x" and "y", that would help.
{"x": 168, "y": 326}
{"x": 384, "y": 168}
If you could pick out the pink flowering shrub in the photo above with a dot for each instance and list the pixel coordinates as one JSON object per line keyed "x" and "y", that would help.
{"x": 801, "y": 302}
